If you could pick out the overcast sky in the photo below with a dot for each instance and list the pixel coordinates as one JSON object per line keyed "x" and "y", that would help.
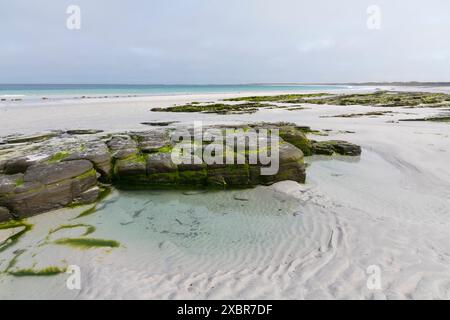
{"x": 226, "y": 41}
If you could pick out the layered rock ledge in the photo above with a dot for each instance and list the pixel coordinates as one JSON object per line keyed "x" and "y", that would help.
{"x": 48, "y": 171}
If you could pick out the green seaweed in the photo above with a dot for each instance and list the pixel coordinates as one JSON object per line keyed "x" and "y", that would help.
{"x": 164, "y": 178}
{"x": 15, "y": 238}
{"x": 357, "y": 115}
{"x": 89, "y": 229}
{"x": 219, "y": 108}
{"x": 48, "y": 271}
{"x": 13, "y": 261}
{"x": 379, "y": 98}
{"x": 86, "y": 212}
{"x": 87, "y": 174}
{"x": 12, "y": 224}
{"x": 19, "y": 182}
{"x": 193, "y": 177}
{"x": 57, "y": 157}
{"x": 165, "y": 149}
{"x": 287, "y": 98}
{"x": 86, "y": 243}
{"x": 297, "y": 138}
{"x": 137, "y": 157}
{"x": 386, "y": 99}
{"x": 105, "y": 191}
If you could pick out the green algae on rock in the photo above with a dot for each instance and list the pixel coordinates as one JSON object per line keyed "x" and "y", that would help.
{"x": 387, "y": 99}
{"x": 286, "y": 98}
{"x": 297, "y": 138}
{"x": 379, "y": 98}
{"x": 219, "y": 108}
{"x": 57, "y": 157}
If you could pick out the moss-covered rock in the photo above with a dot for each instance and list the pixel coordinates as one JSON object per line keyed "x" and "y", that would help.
{"x": 218, "y": 108}
{"x": 17, "y": 165}
{"x": 151, "y": 141}
{"x": 64, "y": 171}
{"x": 286, "y": 98}
{"x": 297, "y": 138}
{"x": 132, "y": 166}
{"x": 47, "y": 186}
{"x": 230, "y": 176}
{"x": 96, "y": 152}
{"x": 335, "y": 146}
{"x": 378, "y": 98}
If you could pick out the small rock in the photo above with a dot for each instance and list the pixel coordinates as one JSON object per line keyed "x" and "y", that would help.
{"x": 89, "y": 196}
{"x": 9, "y": 182}
{"x": 159, "y": 123}
{"x": 340, "y": 147}
{"x": 5, "y": 215}
{"x": 160, "y": 163}
{"x": 126, "y": 219}
{"x": 240, "y": 198}
{"x": 194, "y": 192}
{"x": 31, "y": 138}
{"x": 17, "y": 165}
{"x": 83, "y": 131}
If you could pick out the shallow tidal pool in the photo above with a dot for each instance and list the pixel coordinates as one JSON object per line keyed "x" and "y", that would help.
{"x": 146, "y": 234}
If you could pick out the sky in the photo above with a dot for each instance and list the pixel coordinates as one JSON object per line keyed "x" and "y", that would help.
{"x": 224, "y": 42}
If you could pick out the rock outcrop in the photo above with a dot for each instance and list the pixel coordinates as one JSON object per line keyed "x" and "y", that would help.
{"x": 335, "y": 146}
{"x": 44, "y": 172}
{"x": 5, "y": 214}
{"x": 47, "y": 186}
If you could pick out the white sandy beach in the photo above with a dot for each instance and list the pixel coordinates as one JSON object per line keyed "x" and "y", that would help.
{"x": 111, "y": 114}
{"x": 389, "y": 208}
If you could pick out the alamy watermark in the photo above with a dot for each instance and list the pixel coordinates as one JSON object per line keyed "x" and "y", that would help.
{"x": 73, "y": 21}
{"x": 374, "y": 17}
{"x": 73, "y": 282}
{"x": 374, "y": 277}
{"x": 216, "y": 146}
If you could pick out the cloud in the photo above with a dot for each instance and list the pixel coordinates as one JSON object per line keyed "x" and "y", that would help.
{"x": 316, "y": 45}
{"x": 233, "y": 41}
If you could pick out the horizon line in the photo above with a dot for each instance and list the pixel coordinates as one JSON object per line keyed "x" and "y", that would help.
{"x": 237, "y": 84}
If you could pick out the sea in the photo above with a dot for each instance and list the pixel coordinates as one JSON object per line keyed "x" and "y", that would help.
{"x": 26, "y": 91}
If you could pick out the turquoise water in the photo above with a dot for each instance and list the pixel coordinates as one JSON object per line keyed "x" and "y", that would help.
{"x": 107, "y": 89}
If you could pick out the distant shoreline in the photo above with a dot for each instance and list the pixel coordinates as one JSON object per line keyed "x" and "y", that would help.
{"x": 367, "y": 83}
{"x": 16, "y": 91}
